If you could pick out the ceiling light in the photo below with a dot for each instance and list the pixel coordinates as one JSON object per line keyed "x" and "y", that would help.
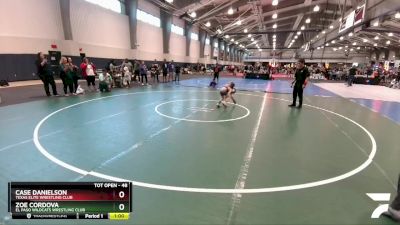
{"x": 327, "y": 44}
{"x": 341, "y": 38}
{"x": 355, "y": 43}
{"x": 397, "y": 15}
{"x": 236, "y": 42}
{"x": 249, "y": 35}
{"x": 318, "y": 48}
{"x": 316, "y": 8}
{"x": 219, "y": 31}
{"x": 275, "y": 26}
{"x": 308, "y": 20}
{"x": 331, "y": 27}
{"x": 365, "y": 40}
{"x": 376, "y": 38}
{"x": 274, "y": 16}
{"x": 274, "y": 36}
{"x": 333, "y": 42}
{"x": 358, "y": 48}
{"x": 388, "y": 42}
{"x": 252, "y": 39}
{"x": 335, "y": 49}
{"x": 317, "y": 36}
{"x": 193, "y": 14}
{"x": 340, "y": 48}
{"x": 275, "y": 2}
{"x": 295, "y": 37}
{"x": 350, "y": 34}
{"x": 169, "y": 1}
{"x": 230, "y": 11}
{"x": 208, "y": 24}
{"x": 259, "y": 50}
{"x": 245, "y": 30}
{"x": 302, "y": 28}
{"x": 226, "y": 36}
{"x": 376, "y": 24}
{"x": 232, "y": 40}
{"x": 239, "y": 22}
{"x": 390, "y": 34}
{"x": 346, "y": 46}
{"x": 351, "y": 49}
{"x": 323, "y": 32}
{"x": 375, "y": 44}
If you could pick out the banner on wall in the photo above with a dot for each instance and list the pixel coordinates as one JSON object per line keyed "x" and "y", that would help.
{"x": 359, "y": 14}
{"x": 347, "y": 22}
{"x": 396, "y": 63}
{"x": 354, "y": 18}
{"x": 386, "y": 65}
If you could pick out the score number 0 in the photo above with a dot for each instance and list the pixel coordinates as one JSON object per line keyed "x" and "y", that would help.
{"x": 121, "y": 206}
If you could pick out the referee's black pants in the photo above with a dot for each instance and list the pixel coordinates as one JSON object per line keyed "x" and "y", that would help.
{"x": 396, "y": 202}
{"x": 298, "y": 91}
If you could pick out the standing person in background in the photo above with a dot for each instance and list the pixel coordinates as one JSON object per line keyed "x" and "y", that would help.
{"x": 45, "y": 75}
{"x": 165, "y": 70}
{"x": 155, "y": 71}
{"x": 299, "y": 82}
{"x": 128, "y": 64}
{"x": 88, "y": 72}
{"x": 217, "y": 69}
{"x": 394, "y": 208}
{"x": 63, "y": 73}
{"x": 177, "y": 73}
{"x": 127, "y": 78}
{"x": 136, "y": 71}
{"x": 143, "y": 72}
{"x": 66, "y": 76}
{"x": 171, "y": 70}
{"x": 352, "y": 73}
{"x": 74, "y": 72}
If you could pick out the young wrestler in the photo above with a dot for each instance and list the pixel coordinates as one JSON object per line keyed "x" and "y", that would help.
{"x": 226, "y": 93}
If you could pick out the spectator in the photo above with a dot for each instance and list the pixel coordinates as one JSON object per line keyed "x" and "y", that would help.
{"x": 88, "y": 72}
{"x": 45, "y": 75}
{"x": 103, "y": 86}
{"x": 136, "y": 71}
{"x": 165, "y": 70}
{"x": 128, "y": 64}
{"x": 171, "y": 69}
{"x": 74, "y": 72}
{"x": 143, "y": 72}
{"x": 177, "y": 73}
{"x": 127, "y": 77}
{"x": 155, "y": 71}
{"x": 66, "y": 76}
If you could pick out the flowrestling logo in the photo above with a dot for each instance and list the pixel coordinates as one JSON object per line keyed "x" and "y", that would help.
{"x": 382, "y": 208}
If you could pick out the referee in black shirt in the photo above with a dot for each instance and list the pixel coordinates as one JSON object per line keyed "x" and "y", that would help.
{"x": 299, "y": 83}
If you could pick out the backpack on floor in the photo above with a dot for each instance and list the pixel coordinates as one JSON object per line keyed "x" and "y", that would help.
{"x": 4, "y": 83}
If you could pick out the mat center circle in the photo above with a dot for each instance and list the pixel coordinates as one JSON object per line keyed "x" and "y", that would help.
{"x": 201, "y": 111}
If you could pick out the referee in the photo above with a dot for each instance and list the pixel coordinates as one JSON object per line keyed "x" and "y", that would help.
{"x": 299, "y": 82}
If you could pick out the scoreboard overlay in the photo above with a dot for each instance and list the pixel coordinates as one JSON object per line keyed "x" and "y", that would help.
{"x": 70, "y": 200}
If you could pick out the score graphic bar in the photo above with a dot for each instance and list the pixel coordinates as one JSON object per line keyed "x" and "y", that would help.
{"x": 70, "y": 200}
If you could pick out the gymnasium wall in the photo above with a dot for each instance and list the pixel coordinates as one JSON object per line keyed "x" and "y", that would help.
{"x": 30, "y": 26}
{"x": 177, "y": 47}
{"x": 99, "y": 32}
